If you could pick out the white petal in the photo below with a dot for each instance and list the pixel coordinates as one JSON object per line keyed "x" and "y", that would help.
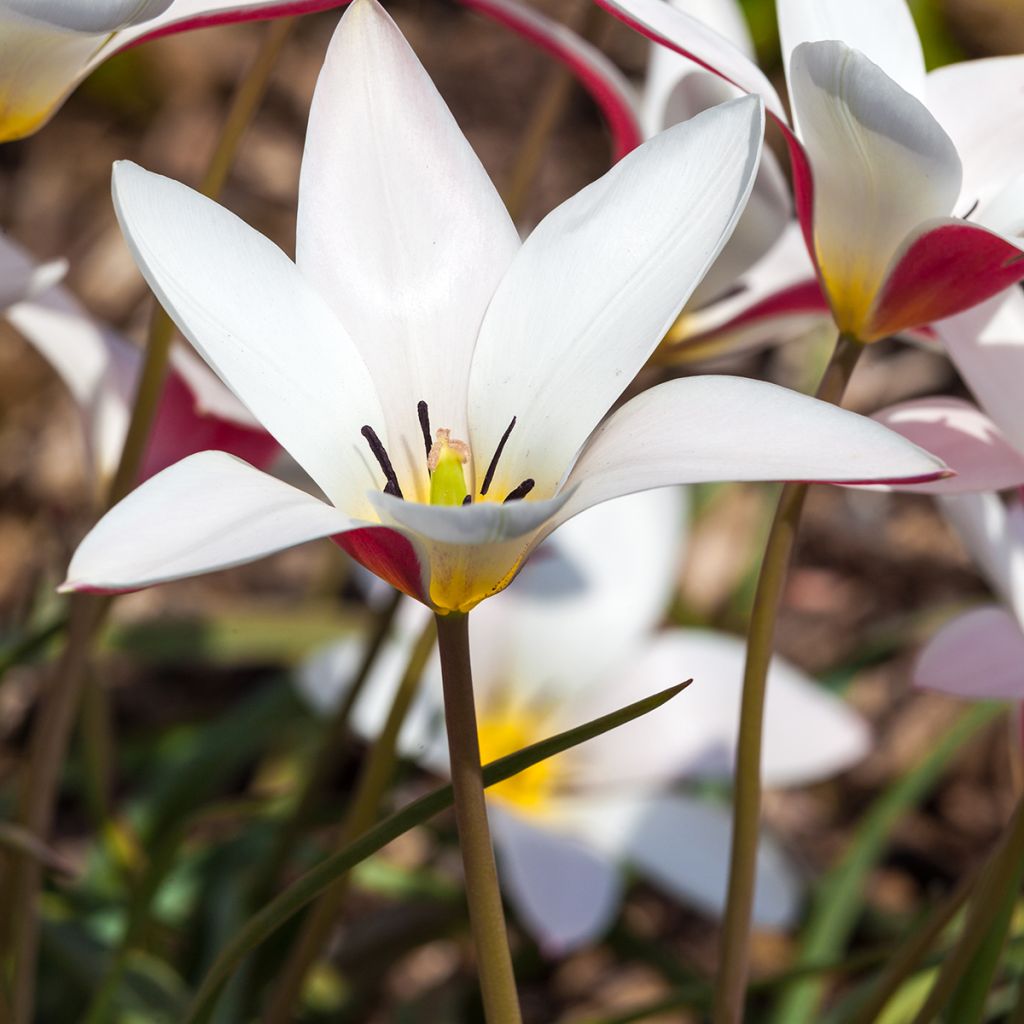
{"x": 977, "y": 656}
{"x": 399, "y": 226}
{"x": 598, "y": 283}
{"x": 994, "y": 538}
{"x": 682, "y": 845}
{"x": 681, "y": 31}
{"x": 808, "y": 733}
{"x": 729, "y": 428}
{"x": 987, "y": 345}
{"x": 881, "y": 165}
{"x": 882, "y": 30}
{"x": 585, "y": 600}
{"x": 210, "y": 511}
{"x": 262, "y": 328}
{"x": 1003, "y": 211}
{"x": 964, "y": 438}
{"x": 96, "y": 16}
{"x": 21, "y": 277}
{"x": 565, "y": 893}
{"x": 980, "y": 104}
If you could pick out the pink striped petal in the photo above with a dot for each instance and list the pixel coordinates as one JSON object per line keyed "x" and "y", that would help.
{"x": 978, "y": 656}
{"x": 964, "y": 438}
{"x": 944, "y": 268}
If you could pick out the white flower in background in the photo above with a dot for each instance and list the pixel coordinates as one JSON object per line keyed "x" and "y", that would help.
{"x": 576, "y": 638}
{"x": 100, "y": 370}
{"x": 48, "y": 46}
{"x": 910, "y": 188}
{"x": 440, "y": 381}
{"x": 762, "y": 289}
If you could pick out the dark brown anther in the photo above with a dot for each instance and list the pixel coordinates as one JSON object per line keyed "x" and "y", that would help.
{"x": 391, "y": 487}
{"x": 521, "y": 491}
{"x": 468, "y": 499}
{"x": 424, "y": 415}
{"x": 489, "y": 475}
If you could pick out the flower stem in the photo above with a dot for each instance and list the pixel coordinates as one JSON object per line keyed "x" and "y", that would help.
{"x": 734, "y": 948}
{"x": 486, "y": 916}
{"x": 362, "y": 814}
{"x": 87, "y": 613}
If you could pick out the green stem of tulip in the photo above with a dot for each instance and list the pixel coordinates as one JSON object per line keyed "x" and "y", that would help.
{"x": 373, "y": 783}
{"x": 486, "y": 915}
{"x": 87, "y": 612}
{"x": 734, "y": 948}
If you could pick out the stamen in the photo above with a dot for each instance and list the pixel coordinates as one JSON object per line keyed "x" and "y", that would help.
{"x": 468, "y": 499}
{"x": 489, "y": 475}
{"x": 391, "y": 487}
{"x": 521, "y": 491}
{"x": 424, "y": 415}
{"x": 974, "y": 206}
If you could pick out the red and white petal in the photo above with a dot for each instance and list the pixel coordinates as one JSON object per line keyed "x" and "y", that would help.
{"x": 211, "y": 511}
{"x": 680, "y": 31}
{"x": 261, "y": 327}
{"x": 711, "y": 427}
{"x": 977, "y": 656}
{"x": 399, "y": 228}
{"x": 682, "y": 845}
{"x": 980, "y": 104}
{"x": 565, "y": 893}
{"x": 607, "y": 85}
{"x": 809, "y": 734}
{"x": 882, "y": 30}
{"x": 987, "y": 345}
{"x": 964, "y": 438}
{"x": 598, "y": 283}
{"x": 881, "y": 164}
{"x": 942, "y": 268}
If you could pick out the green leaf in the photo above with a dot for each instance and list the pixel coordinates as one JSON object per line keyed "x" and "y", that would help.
{"x": 840, "y": 897}
{"x": 310, "y": 885}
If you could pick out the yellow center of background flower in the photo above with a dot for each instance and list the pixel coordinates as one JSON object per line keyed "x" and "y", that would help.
{"x": 506, "y": 731}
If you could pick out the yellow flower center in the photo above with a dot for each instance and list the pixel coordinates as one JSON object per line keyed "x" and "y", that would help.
{"x": 504, "y": 730}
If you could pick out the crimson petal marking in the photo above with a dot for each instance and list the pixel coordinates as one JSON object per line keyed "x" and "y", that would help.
{"x": 601, "y": 79}
{"x": 389, "y": 555}
{"x": 943, "y": 270}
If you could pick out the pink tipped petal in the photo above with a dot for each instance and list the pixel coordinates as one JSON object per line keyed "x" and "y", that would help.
{"x": 964, "y": 438}
{"x": 595, "y": 287}
{"x": 980, "y": 103}
{"x": 565, "y": 893}
{"x": 987, "y": 345}
{"x": 729, "y": 428}
{"x": 399, "y": 226}
{"x": 679, "y": 31}
{"x": 608, "y": 87}
{"x": 260, "y": 326}
{"x": 881, "y": 166}
{"x": 882, "y": 30}
{"x": 977, "y": 656}
{"x": 681, "y": 845}
{"x": 211, "y": 511}
{"x": 943, "y": 269}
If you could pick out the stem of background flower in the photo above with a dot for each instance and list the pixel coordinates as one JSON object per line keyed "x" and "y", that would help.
{"x": 996, "y": 890}
{"x": 374, "y": 779}
{"x": 546, "y": 115}
{"x": 486, "y": 915}
{"x": 734, "y": 945}
{"x": 87, "y": 612}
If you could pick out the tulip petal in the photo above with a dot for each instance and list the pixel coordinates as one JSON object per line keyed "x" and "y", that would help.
{"x": 942, "y": 268}
{"x": 211, "y": 511}
{"x": 96, "y": 17}
{"x": 706, "y": 428}
{"x": 399, "y": 227}
{"x": 980, "y": 104}
{"x": 261, "y": 327}
{"x": 977, "y": 656}
{"x": 881, "y": 164}
{"x": 682, "y": 845}
{"x": 987, "y": 345}
{"x": 565, "y": 893}
{"x": 882, "y": 30}
{"x": 809, "y": 734}
{"x": 964, "y": 438}
{"x": 680, "y": 31}
{"x": 598, "y": 283}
